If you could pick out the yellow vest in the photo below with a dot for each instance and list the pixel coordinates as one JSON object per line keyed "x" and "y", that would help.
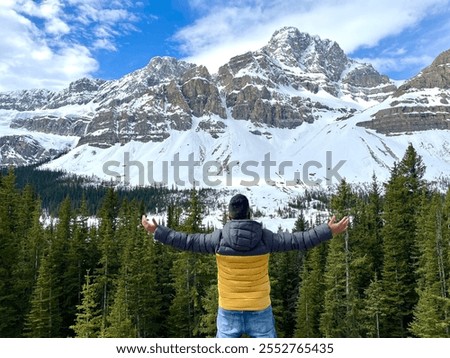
{"x": 243, "y": 282}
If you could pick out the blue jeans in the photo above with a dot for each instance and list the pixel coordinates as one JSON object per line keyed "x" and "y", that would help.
{"x": 257, "y": 324}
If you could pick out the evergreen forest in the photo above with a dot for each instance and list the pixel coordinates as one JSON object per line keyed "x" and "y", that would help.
{"x": 61, "y": 275}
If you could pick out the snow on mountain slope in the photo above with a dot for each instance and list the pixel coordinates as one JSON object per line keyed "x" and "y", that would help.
{"x": 296, "y": 114}
{"x": 261, "y": 161}
{"x": 37, "y": 146}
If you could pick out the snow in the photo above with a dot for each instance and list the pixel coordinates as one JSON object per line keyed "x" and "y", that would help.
{"x": 188, "y": 156}
{"x": 263, "y": 167}
{"x": 271, "y": 168}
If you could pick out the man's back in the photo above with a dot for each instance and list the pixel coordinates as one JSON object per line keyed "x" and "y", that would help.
{"x": 242, "y": 251}
{"x": 242, "y": 267}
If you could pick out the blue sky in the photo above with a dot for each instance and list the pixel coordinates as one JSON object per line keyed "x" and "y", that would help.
{"x": 49, "y": 43}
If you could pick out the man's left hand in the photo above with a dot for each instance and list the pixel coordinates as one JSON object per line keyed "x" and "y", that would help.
{"x": 338, "y": 227}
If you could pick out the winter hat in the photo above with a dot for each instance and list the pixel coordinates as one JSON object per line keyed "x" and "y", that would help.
{"x": 239, "y": 208}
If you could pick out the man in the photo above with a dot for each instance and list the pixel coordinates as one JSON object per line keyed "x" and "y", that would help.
{"x": 242, "y": 251}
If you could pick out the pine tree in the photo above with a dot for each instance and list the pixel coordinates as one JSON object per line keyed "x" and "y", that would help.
{"x": 109, "y": 251}
{"x": 285, "y": 271}
{"x": 76, "y": 263}
{"x": 311, "y": 293}
{"x": 210, "y": 304}
{"x": 402, "y": 201}
{"x": 88, "y": 317}
{"x": 31, "y": 250}
{"x": 340, "y": 314}
{"x": 65, "y": 261}
{"x": 431, "y": 315}
{"x": 138, "y": 296}
{"x": 44, "y": 319}
{"x": 373, "y": 309}
{"x": 119, "y": 318}
{"x": 9, "y": 254}
{"x": 193, "y": 273}
{"x": 373, "y": 239}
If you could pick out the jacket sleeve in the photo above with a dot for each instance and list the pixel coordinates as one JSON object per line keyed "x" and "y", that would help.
{"x": 302, "y": 240}
{"x": 203, "y": 243}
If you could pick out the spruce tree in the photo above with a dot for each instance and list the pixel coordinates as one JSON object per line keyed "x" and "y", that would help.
{"x": 66, "y": 260}
{"x": 109, "y": 248}
{"x": 210, "y": 302}
{"x": 311, "y": 293}
{"x": 163, "y": 258}
{"x": 9, "y": 254}
{"x": 193, "y": 274}
{"x": 431, "y": 315}
{"x": 137, "y": 296}
{"x": 77, "y": 262}
{"x": 402, "y": 201}
{"x": 119, "y": 324}
{"x": 374, "y": 243}
{"x": 31, "y": 250}
{"x": 146, "y": 301}
{"x": 429, "y": 321}
{"x": 44, "y": 319}
{"x": 88, "y": 317}
{"x": 285, "y": 270}
{"x": 373, "y": 310}
{"x": 341, "y": 311}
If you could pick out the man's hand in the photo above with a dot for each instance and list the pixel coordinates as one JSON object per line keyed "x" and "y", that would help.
{"x": 149, "y": 226}
{"x": 338, "y": 227}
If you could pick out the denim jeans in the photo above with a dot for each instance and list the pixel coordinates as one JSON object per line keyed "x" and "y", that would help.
{"x": 257, "y": 324}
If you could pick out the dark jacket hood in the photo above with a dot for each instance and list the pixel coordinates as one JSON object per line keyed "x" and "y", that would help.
{"x": 242, "y": 235}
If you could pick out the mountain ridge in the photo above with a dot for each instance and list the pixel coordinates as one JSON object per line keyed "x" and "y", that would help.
{"x": 298, "y": 98}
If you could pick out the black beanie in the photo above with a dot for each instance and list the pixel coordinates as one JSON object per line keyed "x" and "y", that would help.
{"x": 239, "y": 207}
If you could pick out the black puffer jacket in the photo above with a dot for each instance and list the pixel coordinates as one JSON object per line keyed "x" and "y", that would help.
{"x": 242, "y": 251}
{"x": 243, "y": 238}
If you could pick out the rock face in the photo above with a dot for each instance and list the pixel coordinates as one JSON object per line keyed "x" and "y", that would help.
{"x": 21, "y": 150}
{"x": 27, "y": 100}
{"x": 253, "y": 82}
{"x": 437, "y": 75}
{"x": 422, "y": 103}
{"x": 68, "y": 126}
{"x": 295, "y": 78}
{"x": 79, "y": 92}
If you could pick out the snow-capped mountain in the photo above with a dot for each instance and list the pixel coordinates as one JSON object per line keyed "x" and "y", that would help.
{"x": 295, "y": 114}
{"x": 421, "y": 103}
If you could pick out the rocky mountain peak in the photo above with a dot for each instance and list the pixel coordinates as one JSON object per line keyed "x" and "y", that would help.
{"x": 422, "y": 103}
{"x": 161, "y": 69}
{"x": 79, "y": 92}
{"x": 25, "y": 100}
{"x": 310, "y": 53}
{"x": 442, "y": 60}
{"x": 85, "y": 85}
{"x": 281, "y": 85}
{"x": 437, "y": 75}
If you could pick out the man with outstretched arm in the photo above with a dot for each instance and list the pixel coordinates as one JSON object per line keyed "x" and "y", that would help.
{"x": 242, "y": 250}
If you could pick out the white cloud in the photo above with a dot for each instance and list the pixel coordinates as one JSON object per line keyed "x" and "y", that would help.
{"x": 225, "y": 28}
{"x": 50, "y": 43}
{"x": 57, "y": 27}
{"x": 398, "y": 64}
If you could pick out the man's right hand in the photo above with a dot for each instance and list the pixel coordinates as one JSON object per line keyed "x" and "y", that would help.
{"x": 149, "y": 226}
